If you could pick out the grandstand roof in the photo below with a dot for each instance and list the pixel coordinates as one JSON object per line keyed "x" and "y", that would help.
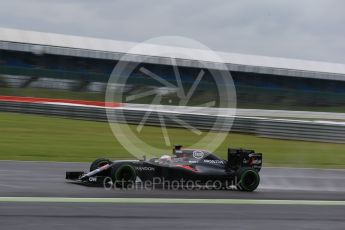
{"x": 31, "y": 41}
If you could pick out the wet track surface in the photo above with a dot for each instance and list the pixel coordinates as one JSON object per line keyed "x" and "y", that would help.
{"x": 47, "y": 179}
{"x": 32, "y": 179}
{"x": 120, "y": 216}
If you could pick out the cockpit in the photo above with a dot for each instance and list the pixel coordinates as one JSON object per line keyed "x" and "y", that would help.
{"x": 186, "y": 156}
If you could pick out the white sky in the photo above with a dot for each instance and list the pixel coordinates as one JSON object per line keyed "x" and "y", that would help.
{"x": 303, "y": 29}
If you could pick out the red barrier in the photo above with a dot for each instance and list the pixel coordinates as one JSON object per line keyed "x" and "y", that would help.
{"x": 49, "y": 100}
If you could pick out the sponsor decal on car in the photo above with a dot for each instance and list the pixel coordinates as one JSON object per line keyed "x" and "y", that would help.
{"x": 93, "y": 179}
{"x": 214, "y": 161}
{"x": 198, "y": 154}
{"x": 145, "y": 168}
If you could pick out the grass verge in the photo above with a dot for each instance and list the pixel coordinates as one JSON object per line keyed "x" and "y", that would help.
{"x": 35, "y": 137}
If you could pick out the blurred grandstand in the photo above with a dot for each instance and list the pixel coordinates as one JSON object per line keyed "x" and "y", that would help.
{"x": 51, "y": 65}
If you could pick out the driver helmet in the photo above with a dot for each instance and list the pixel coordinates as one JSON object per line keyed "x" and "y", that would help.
{"x": 165, "y": 159}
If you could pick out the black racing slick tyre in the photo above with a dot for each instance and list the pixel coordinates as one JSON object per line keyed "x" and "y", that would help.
{"x": 248, "y": 179}
{"x": 99, "y": 163}
{"x": 124, "y": 176}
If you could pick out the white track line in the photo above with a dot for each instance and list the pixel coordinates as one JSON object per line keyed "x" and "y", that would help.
{"x": 171, "y": 201}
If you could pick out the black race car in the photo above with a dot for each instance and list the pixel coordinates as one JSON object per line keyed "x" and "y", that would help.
{"x": 186, "y": 167}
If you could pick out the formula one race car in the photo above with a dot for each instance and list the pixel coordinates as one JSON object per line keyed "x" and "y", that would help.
{"x": 190, "y": 167}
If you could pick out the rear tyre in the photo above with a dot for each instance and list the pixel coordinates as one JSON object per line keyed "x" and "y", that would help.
{"x": 99, "y": 163}
{"x": 123, "y": 176}
{"x": 248, "y": 179}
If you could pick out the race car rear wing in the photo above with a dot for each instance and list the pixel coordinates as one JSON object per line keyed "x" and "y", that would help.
{"x": 239, "y": 158}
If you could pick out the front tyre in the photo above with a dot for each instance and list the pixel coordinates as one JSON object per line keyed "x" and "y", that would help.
{"x": 248, "y": 179}
{"x": 99, "y": 163}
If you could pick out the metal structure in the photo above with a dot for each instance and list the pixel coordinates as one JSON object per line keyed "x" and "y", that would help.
{"x": 58, "y": 44}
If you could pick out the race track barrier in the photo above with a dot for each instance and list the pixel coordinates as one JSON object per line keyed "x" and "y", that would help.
{"x": 324, "y": 131}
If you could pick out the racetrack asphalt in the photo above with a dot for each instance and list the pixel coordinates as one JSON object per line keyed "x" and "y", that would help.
{"x": 43, "y": 179}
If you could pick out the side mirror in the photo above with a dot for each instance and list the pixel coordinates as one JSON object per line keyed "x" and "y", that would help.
{"x": 177, "y": 149}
